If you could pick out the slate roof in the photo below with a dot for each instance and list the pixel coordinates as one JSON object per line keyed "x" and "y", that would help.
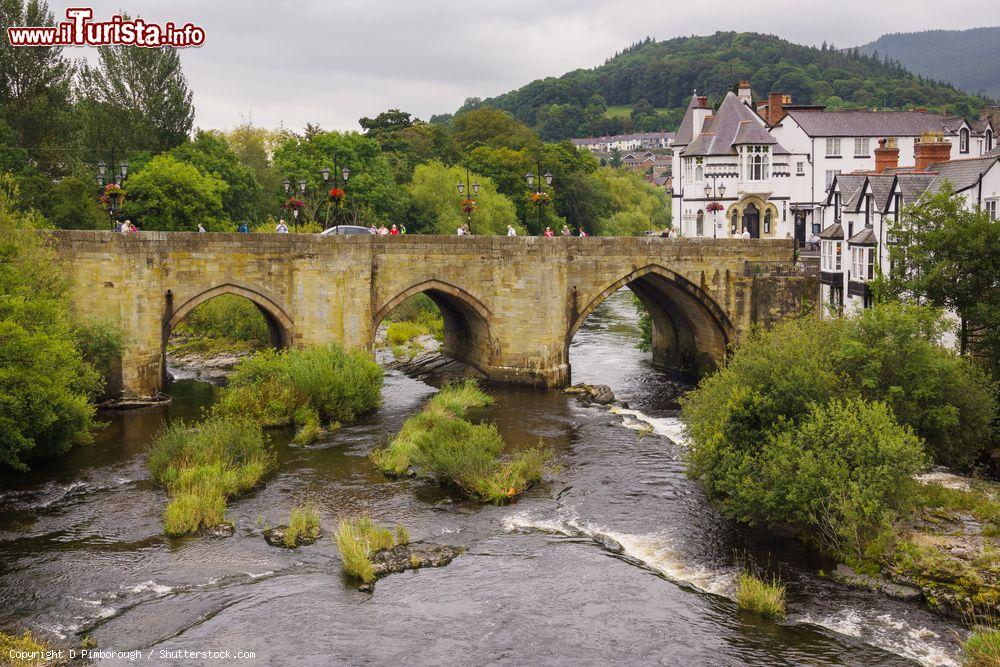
{"x": 833, "y": 232}
{"x": 881, "y": 189}
{"x": 962, "y": 174}
{"x": 913, "y": 185}
{"x": 869, "y": 123}
{"x": 686, "y": 129}
{"x": 850, "y": 188}
{"x": 731, "y": 122}
{"x": 865, "y": 237}
{"x": 993, "y": 153}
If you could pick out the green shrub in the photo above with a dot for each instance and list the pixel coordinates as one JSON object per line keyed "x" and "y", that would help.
{"x": 420, "y": 311}
{"x": 756, "y": 595}
{"x": 982, "y": 648}
{"x": 359, "y": 538}
{"x": 307, "y": 419}
{"x": 204, "y": 464}
{"x": 398, "y": 333}
{"x": 454, "y": 401}
{"x": 303, "y": 524}
{"x": 102, "y": 345}
{"x": 402, "y": 535}
{"x": 272, "y": 386}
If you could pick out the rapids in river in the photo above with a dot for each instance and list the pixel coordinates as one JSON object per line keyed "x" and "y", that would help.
{"x": 615, "y": 558}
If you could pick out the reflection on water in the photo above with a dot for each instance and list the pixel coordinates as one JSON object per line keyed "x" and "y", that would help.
{"x": 615, "y": 558}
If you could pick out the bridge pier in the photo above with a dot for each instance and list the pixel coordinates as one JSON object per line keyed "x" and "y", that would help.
{"x": 511, "y": 305}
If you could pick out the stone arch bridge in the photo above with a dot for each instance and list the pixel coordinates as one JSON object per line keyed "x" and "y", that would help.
{"x": 511, "y": 305}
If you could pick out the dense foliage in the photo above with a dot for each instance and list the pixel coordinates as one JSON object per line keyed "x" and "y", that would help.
{"x": 946, "y": 256}
{"x": 656, "y": 80}
{"x": 45, "y": 382}
{"x": 304, "y": 387}
{"x": 227, "y": 318}
{"x": 175, "y": 196}
{"x": 819, "y": 423}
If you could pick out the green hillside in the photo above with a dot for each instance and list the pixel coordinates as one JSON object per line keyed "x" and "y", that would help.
{"x": 967, "y": 59}
{"x": 655, "y": 81}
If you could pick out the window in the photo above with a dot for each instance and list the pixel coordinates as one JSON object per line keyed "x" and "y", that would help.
{"x": 830, "y": 173}
{"x": 700, "y": 224}
{"x": 699, "y": 170}
{"x": 861, "y": 147}
{"x": 688, "y": 168}
{"x": 756, "y": 163}
{"x": 863, "y": 263}
{"x": 833, "y": 147}
{"x": 735, "y": 222}
{"x": 767, "y": 222}
{"x": 989, "y": 140}
{"x": 800, "y": 168}
{"x": 830, "y": 255}
{"x": 868, "y": 210}
{"x": 991, "y": 208}
{"x": 963, "y": 140}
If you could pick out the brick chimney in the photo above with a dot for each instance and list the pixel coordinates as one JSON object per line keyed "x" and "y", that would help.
{"x": 930, "y": 149}
{"x": 701, "y": 112}
{"x": 744, "y": 93}
{"x": 776, "y": 107}
{"x": 886, "y": 155}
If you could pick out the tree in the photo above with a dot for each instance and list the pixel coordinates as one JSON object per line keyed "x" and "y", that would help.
{"x": 136, "y": 98}
{"x": 253, "y": 147}
{"x": 72, "y": 204}
{"x": 436, "y": 199}
{"x": 487, "y": 126}
{"x": 211, "y": 154}
{"x": 171, "y": 195}
{"x": 946, "y": 256}
{"x": 34, "y": 84}
{"x": 45, "y": 385}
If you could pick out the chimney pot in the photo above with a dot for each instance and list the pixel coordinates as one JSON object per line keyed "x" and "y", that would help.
{"x": 886, "y": 155}
{"x": 930, "y": 149}
{"x": 776, "y": 107}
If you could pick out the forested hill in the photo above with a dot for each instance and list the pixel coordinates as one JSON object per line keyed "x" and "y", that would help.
{"x": 966, "y": 59}
{"x": 647, "y": 86}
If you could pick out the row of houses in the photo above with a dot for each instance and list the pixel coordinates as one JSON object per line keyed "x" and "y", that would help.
{"x": 626, "y": 142}
{"x": 766, "y": 169}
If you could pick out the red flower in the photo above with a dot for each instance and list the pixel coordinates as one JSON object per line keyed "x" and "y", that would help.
{"x": 539, "y": 198}
{"x": 714, "y": 207}
{"x": 294, "y": 204}
{"x": 468, "y": 205}
{"x": 337, "y": 195}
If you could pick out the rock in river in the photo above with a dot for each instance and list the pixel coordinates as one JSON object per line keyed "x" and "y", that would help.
{"x": 403, "y": 557}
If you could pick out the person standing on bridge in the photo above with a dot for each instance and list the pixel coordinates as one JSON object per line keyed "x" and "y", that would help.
{"x": 548, "y": 233}
{"x": 383, "y": 231}
{"x": 511, "y": 231}
{"x": 583, "y": 233}
{"x": 201, "y": 228}
{"x": 394, "y": 231}
{"x": 243, "y": 229}
{"x": 402, "y": 230}
{"x": 566, "y": 231}
{"x": 282, "y": 228}
{"x": 746, "y": 233}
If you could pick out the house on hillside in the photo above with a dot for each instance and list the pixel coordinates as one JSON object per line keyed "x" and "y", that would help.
{"x": 638, "y": 141}
{"x": 862, "y": 206}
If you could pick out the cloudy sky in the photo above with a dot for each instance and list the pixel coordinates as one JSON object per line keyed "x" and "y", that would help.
{"x": 332, "y": 61}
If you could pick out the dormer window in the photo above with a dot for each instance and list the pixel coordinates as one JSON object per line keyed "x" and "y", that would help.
{"x": 756, "y": 163}
{"x": 989, "y": 140}
{"x": 963, "y": 140}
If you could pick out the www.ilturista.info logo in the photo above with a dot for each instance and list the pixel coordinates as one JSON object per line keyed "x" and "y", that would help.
{"x": 79, "y": 30}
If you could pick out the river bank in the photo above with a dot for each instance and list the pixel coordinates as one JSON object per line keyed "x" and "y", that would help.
{"x": 616, "y": 556}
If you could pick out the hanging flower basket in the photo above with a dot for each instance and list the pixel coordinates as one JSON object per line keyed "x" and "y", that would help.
{"x": 337, "y": 195}
{"x": 294, "y": 204}
{"x": 113, "y": 196}
{"x": 714, "y": 207}
{"x": 539, "y": 198}
{"x": 468, "y": 205}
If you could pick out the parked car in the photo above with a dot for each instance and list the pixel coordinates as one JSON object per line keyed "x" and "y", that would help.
{"x": 345, "y": 229}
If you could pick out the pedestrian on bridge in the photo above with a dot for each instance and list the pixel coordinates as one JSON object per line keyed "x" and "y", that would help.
{"x": 566, "y": 231}
{"x": 243, "y": 229}
{"x": 583, "y": 233}
{"x": 548, "y": 233}
{"x": 394, "y": 231}
{"x": 511, "y": 231}
{"x": 282, "y": 228}
{"x": 201, "y": 228}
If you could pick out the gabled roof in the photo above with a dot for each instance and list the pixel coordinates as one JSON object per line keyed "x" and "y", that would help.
{"x": 853, "y": 203}
{"x": 686, "y": 130}
{"x": 848, "y": 185}
{"x": 853, "y": 123}
{"x": 962, "y": 174}
{"x": 912, "y": 185}
{"x": 834, "y": 232}
{"x": 865, "y": 237}
{"x": 881, "y": 185}
{"x": 734, "y": 123}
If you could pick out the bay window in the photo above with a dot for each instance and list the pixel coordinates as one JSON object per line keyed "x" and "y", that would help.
{"x": 862, "y": 263}
{"x": 831, "y": 251}
{"x": 756, "y": 163}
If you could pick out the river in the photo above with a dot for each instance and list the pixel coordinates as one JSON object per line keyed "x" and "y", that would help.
{"x": 543, "y": 581}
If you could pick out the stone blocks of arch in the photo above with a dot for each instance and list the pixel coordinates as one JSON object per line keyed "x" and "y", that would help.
{"x": 511, "y": 305}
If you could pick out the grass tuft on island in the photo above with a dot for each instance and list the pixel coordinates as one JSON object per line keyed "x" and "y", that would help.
{"x": 204, "y": 464}
{"x": 982, "y": 648}
{"x": 303, "y": 526}
{"x": 358, "y": 539}
{"x": 442, "y": 444}
{"x": 304, "y": 388}
{"x": 758, "y": 596}
{"x": 23, "y": 644}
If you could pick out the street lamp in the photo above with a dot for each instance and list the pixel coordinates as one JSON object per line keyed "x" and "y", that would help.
{"x": 112, "y": 173}
{"x": 713, "y": 192}
{"x": 468, "y": 203}
{"x": 288, "y": 183}
{"x": 325, "y": 172}
{"x": 530, "y": 178}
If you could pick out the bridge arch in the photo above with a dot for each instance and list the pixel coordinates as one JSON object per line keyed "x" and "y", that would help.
{"x": 467, "y": 320}
{"x": 279, "y": 324}
{"x": 690, "y": 330}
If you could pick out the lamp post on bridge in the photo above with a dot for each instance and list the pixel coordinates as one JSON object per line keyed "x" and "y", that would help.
{"x": 293, "y": 204}
{"x": 714, "y": 207}
{"x": 469, "y": 201}
{"x": 108, "y": 175}
{"x": 539, "y": 197}
{"x": 335, "y": 194}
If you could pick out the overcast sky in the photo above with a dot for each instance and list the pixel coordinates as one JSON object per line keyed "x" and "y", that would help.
{"x": 332, "y": 61}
